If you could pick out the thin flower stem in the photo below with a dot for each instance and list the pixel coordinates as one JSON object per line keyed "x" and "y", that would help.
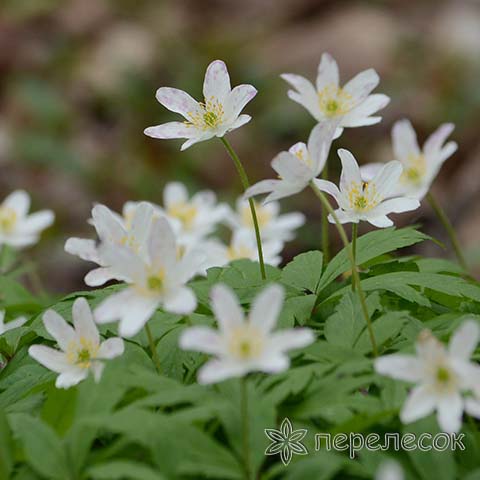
{"x": 153, "y": 350}
{"x": 354, "y": 247}
{"x": 355, "y": 275}
{"x": 245, "y": 182}
{"x": 245, "y": 426}
{"x": 442, "y": 216}
{"x": 325, "y": 224}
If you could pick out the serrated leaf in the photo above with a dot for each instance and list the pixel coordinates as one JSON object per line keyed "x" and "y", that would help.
{"x": 304, "y": 271}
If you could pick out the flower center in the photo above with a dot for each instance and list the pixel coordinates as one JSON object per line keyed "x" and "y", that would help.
{"x": 8, "y": 219}
{"x": 246, "y": 342}
{"x": 239, "y": 251}
{"x": 334, "y": 101}
{"x": 210, "y": 116}
{"x": 263, "y": 216}
{"x": 185, "y": 212}
{"x": 364, "y": 197}
{"x": 415, "y": 168}
{"x": 82, "y": 353}
{"x": 155, "y": 283}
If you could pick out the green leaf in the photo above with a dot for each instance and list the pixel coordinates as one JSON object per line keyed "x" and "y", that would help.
{"x": 6, "y": 448}
{"x": 297, "y": 310}
{"x": 59, "y": 408}
{"x": 122, "y": 470}
{"x": 304, "y": 271}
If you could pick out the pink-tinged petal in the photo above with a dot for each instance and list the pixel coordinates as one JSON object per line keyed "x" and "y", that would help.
{"x": 449, "y": 412}
{"x": 381, "y": 221}
{"x": 394, "y": 205}
{"x": 83, "y": 321}
{"x": 360, "y": 115}
{"x": 420, "y": 403}
{"x": 290, "y": 339}
{"x": 435, "y": 141}
{"x": 19, "y": 201}
{"x": 360, "y": 86}
{"x": 404, "y": 140}
{"x": 465, "y": 340}
{"x": 217, "y": 82}
{"x": 386, "y": 180}
{"x": 50, "y": 358}
{"x": 266, "y": 307}
{"x": 111, "y": 348}
{"x": 226, "y": 308}
{"x": 59, "y": 329}
{"x": 237, "y": 99}
{"x": 83, "y": 248}
{"x": 171, "y": 130}
{"x": 107, "y": 224}
{"x": 201, "y": 339}
{"x": 71, "y": 377}
{"x": 182, "y": 301}
{"x": 399, "y": 367}
{"x": 327, "y": 72}
{"x": 178, "y": 101}
{"x": 350, "y": 170}
{"x": 291, "y": 169}
{"x": 239, "y": 122}
{"x": 216, "y": 371}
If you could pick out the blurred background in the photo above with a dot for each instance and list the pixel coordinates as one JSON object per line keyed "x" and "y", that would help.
{"x": 78, "y": 79}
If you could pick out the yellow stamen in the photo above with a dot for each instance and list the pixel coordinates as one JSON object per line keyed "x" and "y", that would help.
{"x": 210, "y": 115}
{"x": 185, "y": 212}
{"x": 334, "y": 101}
{"x": 8, "y": 219}
{"x": 246, "y": 342}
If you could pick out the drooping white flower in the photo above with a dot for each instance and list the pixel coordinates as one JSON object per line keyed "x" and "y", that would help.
{"x": 81, "y": 350}
{"x": 420, "y": 166}
{"x": 390, "y": 470}
{"x": 130, "y": 230}
{"x": 155, "y": 278}
{"x": 273, "y": 225}
{"x": 297, "y": 167}
{"x": 244, "y": 344}
{"x": 216, "y": 116}
{"x": 366, "y": 201}
{"x": 5, "y": 327}
{"x": 17, "y": 228}
{"x": 350, "y": 105}
{"x": 442, "y": 375}
{"x": 196, "y": 216}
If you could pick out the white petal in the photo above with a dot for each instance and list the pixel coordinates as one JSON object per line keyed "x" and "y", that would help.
{"x": 465, "y": 339}
{"x": 350, "y": 170}
{"x": 201, "y": 339}
{"x": 178, "y": 101}
{"x": 50, "y": 358}
{"x": 182, "y": 301}
{"x": 217, "y": 370}
{"x": 99, "y": 276}
{"x": 381, "y": 221}
{"x": 420, "y": 403}
{"x": 97, "y": 370}
{"x": 344, "y": 217}
{"x": 171, "y": 130}
{"x": 394, "y": 205}
{"x": 271, "y": 363}
{"x": 83, "y": 248}
{"x": 123, "y": 262}
{"x": 389, "y": 470}
{"x": 291, "y": 338}
{"x": 404, "y": 140}
{"x": 83, "y": 321}
{"x": 216, "y": 84}
{"x": 319, "y": 143}
{"x": 59, "y": 329}
{"x": 328, "y": 187}
{"x": 174, "y": 193}
{"x": 226, "y": 308}
{"x": 361, "y": 85}
{"x": 200, "y": 138}
{"x": 111, "y": 348}
{"x": 370, "y": 170}
{"x": 239, "y": 122}
{"x": 387, "y": 179}
{"x": 283, "y": 190}
{"x": 266, "y": 307}
{"x": 107, "y": 224}
{"x": 449, "y": 412}
{"x": 327, "y": 72}
{"x": 17, "y": 323}
{"x": 472, "y": 407}
{"x": 35, "y": 223}
{"x": 19, "y": 201}
{"x": 306, "y": 94}
{"x": 399, "y": 367}
{"x": 360, "y": 115}
{"x": 237, "y": 99}
{"x": 162, "y": 248}
{"x": 434, "y": 142}
{"x": 71, "y": 377}
{"x": 291, "y": 169}
{"x": 264, "y": 186}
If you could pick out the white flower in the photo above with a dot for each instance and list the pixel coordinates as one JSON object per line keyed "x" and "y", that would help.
{"x": 273, "y": 226}
{"x": 5, "y": 327}
{"x": 389, "y": 470}
{"x": 17, "y": 228}
{"x": 217, "y": 115}
{"x": 80, "y": 348}
{"x": 130, "y": 230}
{"x": 297, "y": 167}
{"x": 196, "y": 217}
{"x": 420, "y": 166}
{"x": 441, "y": 374}
{"x": 359, "y": 200}
{"x": 350, "y": 105}
{"x": 242, "y": 245}
{"x": 155, "y": 278}
{"x": 243, "y": 345}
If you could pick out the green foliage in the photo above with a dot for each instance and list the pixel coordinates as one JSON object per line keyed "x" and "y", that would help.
{"x": 139, "y": 425}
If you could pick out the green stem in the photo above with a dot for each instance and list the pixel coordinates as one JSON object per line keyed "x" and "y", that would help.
{"x": 153, "y": 350}
{"x": 325, "y": 224}
{"x": 354, "y": 247}
{"x": 245, "y": 182}
{"x": 442, "y": 216}
{"x": 355, "y": 275}
{"x": 245, "y": 426}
